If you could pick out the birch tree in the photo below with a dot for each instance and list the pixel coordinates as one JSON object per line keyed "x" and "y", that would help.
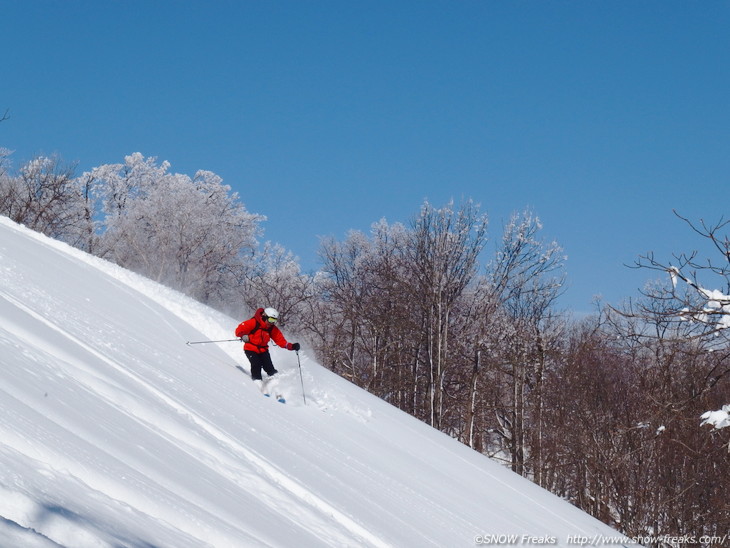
{"x": 527, "y": 275}
{"x": 442, "y": 258}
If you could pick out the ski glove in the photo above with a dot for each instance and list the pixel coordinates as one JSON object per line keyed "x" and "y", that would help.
{"x": 244, "y": 338}
{"x": 294, "y": 346}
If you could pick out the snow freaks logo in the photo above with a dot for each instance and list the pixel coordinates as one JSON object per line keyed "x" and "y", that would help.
{"x": 495, "y": 540}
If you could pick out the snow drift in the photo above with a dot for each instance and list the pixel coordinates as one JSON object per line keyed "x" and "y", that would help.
{"x": 114, "y": 432}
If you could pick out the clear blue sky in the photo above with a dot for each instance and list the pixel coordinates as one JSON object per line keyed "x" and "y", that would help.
{"x": 329, "y": 115}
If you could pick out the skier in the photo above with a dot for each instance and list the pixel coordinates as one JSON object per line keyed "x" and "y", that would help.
{"x": 256, "y": 333}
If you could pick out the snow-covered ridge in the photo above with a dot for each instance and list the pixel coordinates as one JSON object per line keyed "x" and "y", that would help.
{"x": 114, "y": 432}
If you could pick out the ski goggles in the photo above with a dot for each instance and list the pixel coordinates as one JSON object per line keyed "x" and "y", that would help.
{"x": 271, "y": 320}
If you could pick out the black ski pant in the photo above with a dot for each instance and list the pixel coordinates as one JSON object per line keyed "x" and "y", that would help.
{"x": 260, "y": 360}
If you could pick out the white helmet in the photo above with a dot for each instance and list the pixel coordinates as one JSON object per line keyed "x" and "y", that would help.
{"x": 272, "y": 313}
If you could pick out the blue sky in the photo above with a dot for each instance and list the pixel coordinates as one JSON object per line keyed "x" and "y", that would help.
{"x": 326, "y": 116}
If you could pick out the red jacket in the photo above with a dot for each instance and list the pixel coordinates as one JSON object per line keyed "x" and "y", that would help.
{"x": 259, "y": 333}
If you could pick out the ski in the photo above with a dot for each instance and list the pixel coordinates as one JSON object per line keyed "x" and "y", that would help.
{"x": 263, "y": 386}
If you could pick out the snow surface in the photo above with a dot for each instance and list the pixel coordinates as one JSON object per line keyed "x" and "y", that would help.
{"x": 114, "y": 432}
{"x": 719, "y": 419}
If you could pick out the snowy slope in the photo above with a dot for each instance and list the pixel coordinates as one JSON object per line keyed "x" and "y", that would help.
{"x": 114, "y": 432}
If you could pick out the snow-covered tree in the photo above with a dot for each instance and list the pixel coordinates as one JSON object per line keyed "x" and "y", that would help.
{"x": 525, "y": 278}
{"x": 273, "y": 277}
{"x": 704, "y": 313}
{"x": 188, "y": 233}
{"x": 43, "y": 196}
{"x": 363, "y": 309}
{"x": 718, "y": 419}
{"x": 4, "y": 160}
{"x": 442, "y": 257}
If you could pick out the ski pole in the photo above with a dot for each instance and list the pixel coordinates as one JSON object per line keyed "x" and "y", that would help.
{"x": 206, "y": 342}
{"x": 301, "y": 378}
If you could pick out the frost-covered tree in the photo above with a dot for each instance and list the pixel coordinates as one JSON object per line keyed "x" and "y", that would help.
{"x": 44, "y": 196}
{"x": 362, "y": 301}
{"x": 4, "y": 161}
{"x": 442, "y": 259}
{"x": 525, "y": 279}
{"x": 273, "y": 277}
{"x": 188, "y": 233}
{"x": 404, "y": 313}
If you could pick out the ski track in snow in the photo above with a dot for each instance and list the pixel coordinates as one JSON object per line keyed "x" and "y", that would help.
{"x": 267, "y": 475}
{"x": 113, "y": 395}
